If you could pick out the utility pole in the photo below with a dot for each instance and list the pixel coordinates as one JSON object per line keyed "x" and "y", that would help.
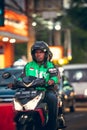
{"x": 47, "y": 11}
{"x": 30, "y": 10}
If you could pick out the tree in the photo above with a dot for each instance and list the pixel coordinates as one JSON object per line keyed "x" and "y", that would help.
{"x": 78, "y": 13}
{"x": 76, "y": 19}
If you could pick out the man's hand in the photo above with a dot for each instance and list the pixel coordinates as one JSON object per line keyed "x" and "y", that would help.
{"x": 50, "y": 82}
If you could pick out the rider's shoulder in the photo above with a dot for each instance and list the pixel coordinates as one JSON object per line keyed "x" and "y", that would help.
{"x": 31, "y": 63}
{"x": 49, "y": 63}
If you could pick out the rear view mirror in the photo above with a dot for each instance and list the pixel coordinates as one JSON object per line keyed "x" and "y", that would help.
{"x": 6, "y": 75}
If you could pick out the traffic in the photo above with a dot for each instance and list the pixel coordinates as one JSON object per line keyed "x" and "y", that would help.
{"x": 43, "y": 65}
{"x": 67, "y": 98}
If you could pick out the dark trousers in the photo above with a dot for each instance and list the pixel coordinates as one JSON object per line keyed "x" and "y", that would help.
{"x": 51, "y": 100}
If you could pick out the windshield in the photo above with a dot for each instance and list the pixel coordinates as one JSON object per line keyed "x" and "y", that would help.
{"x": 76, "y": 75}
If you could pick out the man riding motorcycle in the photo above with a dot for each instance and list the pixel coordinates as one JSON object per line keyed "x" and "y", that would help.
{"x": 42, "y": 68}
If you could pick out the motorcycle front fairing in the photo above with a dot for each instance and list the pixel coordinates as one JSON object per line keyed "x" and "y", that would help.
{"x": 31, "y": 106}
{"x": 27, "y": 103}
{"x": 30, "y": 100}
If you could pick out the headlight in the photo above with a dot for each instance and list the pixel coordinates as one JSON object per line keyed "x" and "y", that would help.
{"x": 65, "y": 96}
{"x": 72, "y": 94}
{"x": 60, "y": 92}
{"x": 85, "y": 92}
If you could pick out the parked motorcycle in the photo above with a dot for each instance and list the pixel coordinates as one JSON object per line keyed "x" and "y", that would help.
{"x": 31, "y": 112}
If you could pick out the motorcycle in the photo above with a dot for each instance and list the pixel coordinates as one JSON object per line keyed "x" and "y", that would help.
{"x": 61, "y": 123}
{"x": 31, "y": 112}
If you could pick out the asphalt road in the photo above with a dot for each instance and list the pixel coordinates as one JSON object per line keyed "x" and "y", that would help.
{"x": 76, "y": 120}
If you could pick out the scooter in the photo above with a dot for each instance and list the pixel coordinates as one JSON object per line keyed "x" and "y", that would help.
{"x": 31, "y": 111}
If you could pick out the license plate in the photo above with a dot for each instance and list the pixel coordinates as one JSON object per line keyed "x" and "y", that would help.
{"x": 24, "y": 94}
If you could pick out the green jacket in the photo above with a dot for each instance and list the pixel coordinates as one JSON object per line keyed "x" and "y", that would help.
{"x": 33, "y": 69}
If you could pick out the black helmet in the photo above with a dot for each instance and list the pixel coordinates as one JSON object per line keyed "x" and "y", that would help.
{"x": 40, "y": 45}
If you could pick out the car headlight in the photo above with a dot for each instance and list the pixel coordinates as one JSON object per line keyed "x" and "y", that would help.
{"x": 85, "y": 92}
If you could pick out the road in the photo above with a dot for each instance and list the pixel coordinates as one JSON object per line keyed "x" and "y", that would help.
{"x": 76, "y": 120}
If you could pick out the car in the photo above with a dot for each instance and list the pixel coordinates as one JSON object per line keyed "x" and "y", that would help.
{"x": 66, "y": 90}
{"x": 77, "y": 76}
{"x": 7, "y": 94}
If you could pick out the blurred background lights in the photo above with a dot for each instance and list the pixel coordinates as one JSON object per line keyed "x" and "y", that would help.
{"x": 58, "y": 27}
{"x": 12, "y": 40}
{"x": 34, "y": 24}
{"x": 5, "y": 39}
{"x": 50, "y": 25}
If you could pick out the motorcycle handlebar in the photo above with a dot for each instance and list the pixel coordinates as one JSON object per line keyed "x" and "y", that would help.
{"x": 26, "y": 82}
